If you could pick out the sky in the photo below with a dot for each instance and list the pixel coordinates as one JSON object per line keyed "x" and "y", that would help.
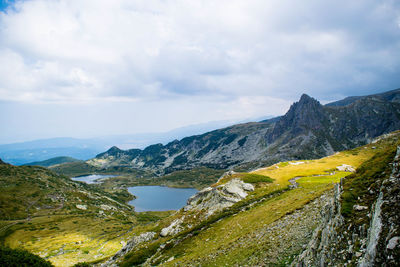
{"x": 86, "y": 68}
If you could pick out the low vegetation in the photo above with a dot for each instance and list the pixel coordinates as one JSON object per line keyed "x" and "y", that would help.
{"x": 18, "y": 257}
{"x": 368, "y": 177}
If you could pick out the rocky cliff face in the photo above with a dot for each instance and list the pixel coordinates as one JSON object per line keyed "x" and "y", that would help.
{"x": 308, "y": 130}
{"x": 369, "y": 233}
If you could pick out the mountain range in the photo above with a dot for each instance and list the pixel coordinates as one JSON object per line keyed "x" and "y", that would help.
{"x": 31, "y": 152}
{"x": 308, "y": 130}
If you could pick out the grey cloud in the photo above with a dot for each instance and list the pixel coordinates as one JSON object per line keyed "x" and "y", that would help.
{"x": 93, "y": 49}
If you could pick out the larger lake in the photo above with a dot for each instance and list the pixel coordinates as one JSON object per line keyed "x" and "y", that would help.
{"x": 159, "y": 198}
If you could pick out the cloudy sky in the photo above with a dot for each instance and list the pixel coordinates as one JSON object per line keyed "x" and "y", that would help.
{"x": 85, "y": 68}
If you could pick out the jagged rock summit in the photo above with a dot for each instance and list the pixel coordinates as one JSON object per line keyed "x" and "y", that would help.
{"x": 305, "y": 115}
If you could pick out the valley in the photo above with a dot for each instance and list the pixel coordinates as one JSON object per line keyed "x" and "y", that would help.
{"x": 66, "y": 237}
{"x": 254, "y": 209}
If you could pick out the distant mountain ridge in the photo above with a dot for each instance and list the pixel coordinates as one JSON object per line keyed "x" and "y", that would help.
{"x": 52, "y": 161}
{"x": 308, "y": 130}
{"x": 392, "y": 96}
{"x": 83, "y": 149}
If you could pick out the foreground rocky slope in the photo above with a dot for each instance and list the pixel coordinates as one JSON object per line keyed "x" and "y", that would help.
{"x": 361, "y": 224}
{"x": 308, "y": 130}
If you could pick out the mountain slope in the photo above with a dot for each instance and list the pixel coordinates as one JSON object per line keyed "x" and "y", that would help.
{"x": 308, "y": 130}
{"x": 59, "y": 219}
{"x": 52, "y": 161}
{"x": 392, "y": 96}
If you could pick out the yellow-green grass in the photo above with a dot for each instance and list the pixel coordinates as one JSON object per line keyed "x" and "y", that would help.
{"x": 68, "y": 239}
{"x": 324, "y": 179}
{"x": 284, "y": 171}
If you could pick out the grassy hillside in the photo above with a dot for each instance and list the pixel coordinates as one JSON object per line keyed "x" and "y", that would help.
{"x": 62, "y": 220}
{"x": 52, "y": 161}
{"x": 198, "y": 178}
{"x": 80, "y": 168}
{"x": 269, "y": 227}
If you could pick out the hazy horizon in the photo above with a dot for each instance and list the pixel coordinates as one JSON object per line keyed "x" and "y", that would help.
{"x": 93, "y": 68}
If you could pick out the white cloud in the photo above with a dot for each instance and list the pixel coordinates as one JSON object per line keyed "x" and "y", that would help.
{"x": 256, "y": 55}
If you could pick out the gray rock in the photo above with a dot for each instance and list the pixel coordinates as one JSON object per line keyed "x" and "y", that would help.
{"x": 214, "y": 199}
{"x": 393, "y": 242}
{"x": 345, "y": 168}
{"x": 174, "y": 228}
{"x": 129, "y": 247}
{"x": 358, "y": 207}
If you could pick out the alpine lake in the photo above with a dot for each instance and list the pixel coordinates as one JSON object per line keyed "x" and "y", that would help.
{"x": 149, "y": 198}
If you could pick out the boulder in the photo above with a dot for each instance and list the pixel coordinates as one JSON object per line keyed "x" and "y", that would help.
{"x": 81, "y": 207}
{"x": 345, "y": 168}
{"x": 393, "y": 242}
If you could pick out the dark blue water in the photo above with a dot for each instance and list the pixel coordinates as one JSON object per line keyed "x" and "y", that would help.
{"x": 91, "y": 179}
{"x": 158, "y": 198}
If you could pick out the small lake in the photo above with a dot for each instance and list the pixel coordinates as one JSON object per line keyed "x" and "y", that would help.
{"x": 159, "y": 198}
{"x": 91, "y": 179}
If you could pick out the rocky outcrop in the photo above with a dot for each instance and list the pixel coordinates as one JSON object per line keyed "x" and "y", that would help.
{"x": 128, "y": 248}
{"x": 308, "y": 130}
{"x": 174, "y": 228}
{"x": 214, "y": 199}
{"x": 318, "y": 249}
{"x": 368, "y": 238}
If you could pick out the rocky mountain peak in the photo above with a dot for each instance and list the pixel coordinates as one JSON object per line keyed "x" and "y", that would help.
{"x": 305, "y": 97}
{"x": 1, "y": 162}
{"x": 113, "y": 150}
{"x": 306, "y": 109}
{"x": 304, "y": 115}
{"x": 306, "y": 101}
